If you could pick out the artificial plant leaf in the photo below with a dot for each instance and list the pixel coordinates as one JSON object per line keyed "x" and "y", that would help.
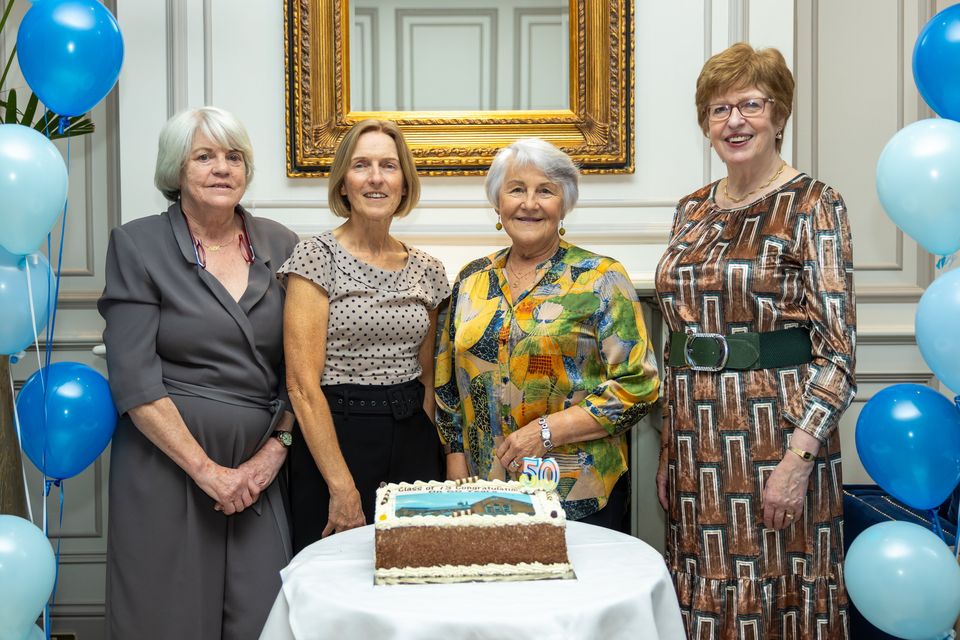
{"x": 10, "y": 115}
{"x": 30, "y": 110}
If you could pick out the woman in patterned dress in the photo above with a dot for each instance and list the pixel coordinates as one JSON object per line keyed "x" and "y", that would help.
{"x": 544, "y": 352}
{"x": 749, "y": 469}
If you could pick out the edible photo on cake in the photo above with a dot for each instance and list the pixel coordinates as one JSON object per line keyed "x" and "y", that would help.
{"x": 463, "y": 503}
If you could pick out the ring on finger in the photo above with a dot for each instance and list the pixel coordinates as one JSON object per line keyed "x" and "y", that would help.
{"x": 514, "y": 465}
{"x": 789, "y": 515}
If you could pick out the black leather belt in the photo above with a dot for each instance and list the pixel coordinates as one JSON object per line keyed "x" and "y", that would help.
{"x": 399, "y": 400}
{"x": 739, "y": 351}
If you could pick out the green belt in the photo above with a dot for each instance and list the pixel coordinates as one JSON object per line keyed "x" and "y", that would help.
{"x": 715, "y": 352}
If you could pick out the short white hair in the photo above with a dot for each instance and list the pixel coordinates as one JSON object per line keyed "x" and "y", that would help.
{"x": 176, "y": 140}
{"x": 541, "y": 155}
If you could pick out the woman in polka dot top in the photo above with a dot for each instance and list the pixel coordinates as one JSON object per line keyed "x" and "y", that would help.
{"x": 359, "y": 325}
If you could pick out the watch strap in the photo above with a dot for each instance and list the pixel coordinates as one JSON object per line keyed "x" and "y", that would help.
{"x": 804, "y": 455}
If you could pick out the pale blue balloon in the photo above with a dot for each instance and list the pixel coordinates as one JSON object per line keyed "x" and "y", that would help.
{"x": 904, "y": 580}
{"x": 27, "y": 571}
{"x": 33, "y": 187}
{"x": 936, "y": 328}
{"x": 918, "y": 181}
{"x": 16, "y": 327}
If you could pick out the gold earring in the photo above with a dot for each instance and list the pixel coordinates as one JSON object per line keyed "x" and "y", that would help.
{"x": 499, "y": 224}
{"x": 563, "y": 231}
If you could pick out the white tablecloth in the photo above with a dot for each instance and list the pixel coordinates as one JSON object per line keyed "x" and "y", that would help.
{"x": 622, "y": 590}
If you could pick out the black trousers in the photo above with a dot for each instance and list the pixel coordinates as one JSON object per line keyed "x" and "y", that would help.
{"x": 384, "y": 436}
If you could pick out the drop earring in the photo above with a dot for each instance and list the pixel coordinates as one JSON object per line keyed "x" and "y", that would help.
{"x": 562, "y": 231}
{"x": 780, "y": 135}
{"x": 499, "y": 224}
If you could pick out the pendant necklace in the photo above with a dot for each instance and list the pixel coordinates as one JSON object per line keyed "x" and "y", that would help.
{"x": 726, "y": 194}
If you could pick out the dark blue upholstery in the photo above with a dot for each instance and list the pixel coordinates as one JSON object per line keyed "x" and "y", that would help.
{"x": 865, "y": 505}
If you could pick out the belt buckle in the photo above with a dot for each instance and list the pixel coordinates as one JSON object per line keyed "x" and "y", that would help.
{"x": 724, "y": 352}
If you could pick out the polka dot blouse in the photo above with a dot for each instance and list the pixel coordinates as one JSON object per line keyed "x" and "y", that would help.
{"x": 378, "y": 318}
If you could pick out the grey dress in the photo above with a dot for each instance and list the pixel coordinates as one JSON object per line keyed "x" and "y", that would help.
{"x": 176, "y": 568}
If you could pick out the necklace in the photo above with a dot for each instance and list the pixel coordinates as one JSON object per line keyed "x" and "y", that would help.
{"x": 726, "y": 194}
{"x": 520, "y": 275}
{"x": 212, "y": 247}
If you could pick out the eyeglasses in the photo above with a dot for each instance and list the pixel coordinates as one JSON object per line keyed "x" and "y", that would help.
{"x": 246, "y": 246}
{"x": 749, "y": 108}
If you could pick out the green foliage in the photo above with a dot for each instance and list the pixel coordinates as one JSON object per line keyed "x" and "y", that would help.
{"x": 49, "y": 122}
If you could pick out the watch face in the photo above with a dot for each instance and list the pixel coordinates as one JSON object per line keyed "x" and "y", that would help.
{"x": 285, "y": 438}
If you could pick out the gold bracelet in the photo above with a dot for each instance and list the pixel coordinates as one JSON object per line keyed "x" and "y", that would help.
{"x": 804, "y": 455}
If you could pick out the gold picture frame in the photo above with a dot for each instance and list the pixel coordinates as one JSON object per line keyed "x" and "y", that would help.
{"x": 597, "y": 129}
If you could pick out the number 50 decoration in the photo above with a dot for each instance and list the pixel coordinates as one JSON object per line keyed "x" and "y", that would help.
{"x": 539, "y": 473}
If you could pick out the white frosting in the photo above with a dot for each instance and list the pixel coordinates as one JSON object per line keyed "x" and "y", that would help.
{"x": 524, "y": 570}
{"x": 546, "y": 505}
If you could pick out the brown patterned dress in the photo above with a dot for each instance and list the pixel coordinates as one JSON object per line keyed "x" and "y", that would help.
{"x": 781, "y": 262}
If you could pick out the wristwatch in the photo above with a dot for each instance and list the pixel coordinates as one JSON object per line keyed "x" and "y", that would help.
{"x": 545, "y": 433}
{"x": 285, "y": 437}
{"x": 804, "y": 455}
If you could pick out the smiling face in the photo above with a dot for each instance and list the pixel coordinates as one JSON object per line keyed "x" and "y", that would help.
{"x": 745, "y": 143}
{"x": 531, "y": 207}
{"x": 374, "y": 183}
{"x": 213, "y": 178}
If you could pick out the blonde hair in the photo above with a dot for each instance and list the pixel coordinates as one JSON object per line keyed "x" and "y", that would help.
{"x": 339, "y": 204}
{"x": 741, "y": 65}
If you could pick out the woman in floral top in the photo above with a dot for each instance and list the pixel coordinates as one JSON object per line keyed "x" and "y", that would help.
{"x": 544, "y": 352}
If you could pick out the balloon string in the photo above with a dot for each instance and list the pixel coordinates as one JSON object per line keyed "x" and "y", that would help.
{"x": 33, "y": 320}
{"x": 16, "y": 424}
{"x": 937, "y": 529}
{"x": 49, "y": 482}
{"x": 56, "y": 292}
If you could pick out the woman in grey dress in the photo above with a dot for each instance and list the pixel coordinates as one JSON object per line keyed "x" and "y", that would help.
{"x": 197, "y": 528}
{"x": 359, "y": 326}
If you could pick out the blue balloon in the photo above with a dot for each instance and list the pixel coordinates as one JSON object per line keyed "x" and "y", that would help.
{"x": 16, "y": 327}
{"x": 27, "y": 571}
{"x": 70, "y": 53}
{"x": 918, "y": 181}
{"x": 904, "y": 580}
{"x": 936, "y": 328}
{"x": 65, "y": 434}
{"x": 908, "y": 438}
{"x": 33, "y": 187}
{"x": 936, "y": 63}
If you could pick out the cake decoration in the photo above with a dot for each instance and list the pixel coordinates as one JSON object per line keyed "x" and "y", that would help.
{"x": 469, "y": 530}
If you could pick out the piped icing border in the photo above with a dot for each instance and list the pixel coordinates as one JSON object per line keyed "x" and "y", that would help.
{"x": 546, "y": 505}
{"x": 525, "y": 570}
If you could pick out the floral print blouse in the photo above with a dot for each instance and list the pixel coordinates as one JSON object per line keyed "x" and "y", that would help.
{"x": 576, "y": 338}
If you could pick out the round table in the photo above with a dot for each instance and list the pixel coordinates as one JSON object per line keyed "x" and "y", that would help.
{"x": 622, "y": 590}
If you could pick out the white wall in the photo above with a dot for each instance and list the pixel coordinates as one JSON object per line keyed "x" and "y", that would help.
{"x": 852, "y": 62}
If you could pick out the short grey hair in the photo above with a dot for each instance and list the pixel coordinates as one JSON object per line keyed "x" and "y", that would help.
{"x": 176, "y": 140}
{"x": 539, "y": 154}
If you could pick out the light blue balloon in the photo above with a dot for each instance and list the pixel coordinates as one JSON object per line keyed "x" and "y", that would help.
{"x": 904, "y": 580}
{"x": 33, "y": 187}
{"x": 918, "y": 181}
{"x": 16, "y": 328}
{"x": 936, "y": 327}
{"x": 27, "y": 570}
